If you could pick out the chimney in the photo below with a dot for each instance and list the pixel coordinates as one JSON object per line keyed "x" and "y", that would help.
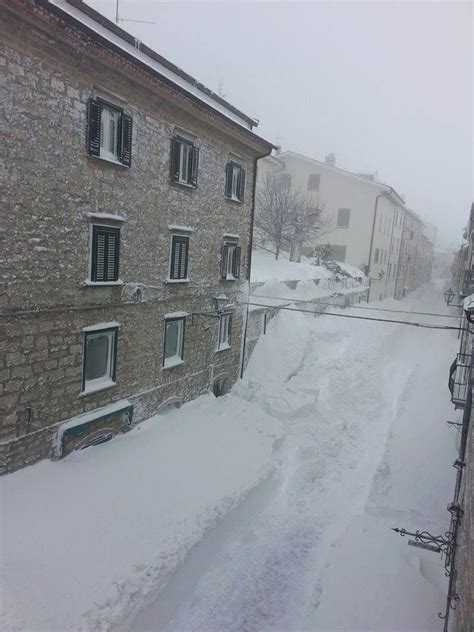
{"x": 330, "y": 160}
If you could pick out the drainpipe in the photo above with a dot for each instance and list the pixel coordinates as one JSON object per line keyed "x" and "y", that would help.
{"x": 372, "y": 236}
{"x": 402, "y": 243}
{"x": 390, "y": 251}
{"x": 249, "y": 256}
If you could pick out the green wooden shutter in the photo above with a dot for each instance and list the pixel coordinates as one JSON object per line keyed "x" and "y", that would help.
{"x": 179, "y": 257}
{"x": 175, "y": 157}
{"x": 126, "y": 140}
{"x": 241, "y": 185}
{"x": 105, "y": 254}
{"x": 194, "y": 166}
{"x": 228, "y": 179}
{"x": 236, "y": 262}
{"x": 94, "y": 109}
{"x": 225, "y": 254}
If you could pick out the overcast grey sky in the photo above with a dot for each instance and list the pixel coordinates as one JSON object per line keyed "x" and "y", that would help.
{"x": 385, "y": 86}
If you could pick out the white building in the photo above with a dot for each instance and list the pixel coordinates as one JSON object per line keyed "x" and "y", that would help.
{"x": 365, "y": 216}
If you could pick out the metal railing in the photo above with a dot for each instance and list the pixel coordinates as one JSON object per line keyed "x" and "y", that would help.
{"x": 459, "y": 379}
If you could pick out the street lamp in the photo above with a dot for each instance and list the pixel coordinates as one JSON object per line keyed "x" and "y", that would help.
{"x": 448, "y": 296}
{"x": 221, "y": 302}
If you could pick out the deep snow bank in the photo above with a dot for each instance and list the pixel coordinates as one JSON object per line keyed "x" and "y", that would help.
{"x": 85, "y": 539}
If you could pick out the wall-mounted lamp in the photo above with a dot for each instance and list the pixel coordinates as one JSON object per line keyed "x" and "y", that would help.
{"x": 448, "y": 296}
{"x": 221, "y": 302}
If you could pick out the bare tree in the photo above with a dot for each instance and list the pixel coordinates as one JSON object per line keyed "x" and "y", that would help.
{"x": 287, "y": 216}
{"x": 275, "y": 210}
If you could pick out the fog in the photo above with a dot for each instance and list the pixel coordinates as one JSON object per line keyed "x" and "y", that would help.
{"x": 386, "y": 87}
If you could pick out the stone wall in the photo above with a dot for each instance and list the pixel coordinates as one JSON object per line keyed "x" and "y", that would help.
{"x": 53, "y": 186}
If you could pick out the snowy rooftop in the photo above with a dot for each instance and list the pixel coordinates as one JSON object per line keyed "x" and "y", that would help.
{"x": 266, "y": 268}
{"x": 94, "y": 23}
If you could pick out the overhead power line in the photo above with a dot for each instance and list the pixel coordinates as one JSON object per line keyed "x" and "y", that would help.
{"x": 380, "y": 320}
{"x": 377, "y": 309}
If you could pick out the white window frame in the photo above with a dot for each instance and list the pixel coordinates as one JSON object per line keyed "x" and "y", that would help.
{"x": 185, "y": 156}
{"x": 178, "y": 358}
{"x": 108, "y": 112}
{"x": 106, "y": 380}
{"x": 232, "y": 245}
{"x": 223, "y": 333}
{"x": 236, "y": 169}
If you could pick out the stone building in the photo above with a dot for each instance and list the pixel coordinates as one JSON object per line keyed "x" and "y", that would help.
{"x": 460, "y": 599}
{"x": 127, "y": 223}
{"x": 408, "y": 277}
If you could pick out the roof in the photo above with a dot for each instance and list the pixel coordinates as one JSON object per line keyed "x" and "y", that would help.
{"x": 361, "y": 177}
{"x": 95, "y": 25}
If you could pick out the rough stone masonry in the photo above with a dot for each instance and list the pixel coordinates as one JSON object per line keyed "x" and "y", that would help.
{"x": 55, "y": 191}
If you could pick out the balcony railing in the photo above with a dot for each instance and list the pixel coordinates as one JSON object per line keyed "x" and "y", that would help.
{"x": 459, "y": 379}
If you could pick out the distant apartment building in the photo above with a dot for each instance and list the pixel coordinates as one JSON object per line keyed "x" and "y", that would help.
{"x": 408, "y": 277}
{"x": 127, "y": 227}
{"x": 365, "y": 219}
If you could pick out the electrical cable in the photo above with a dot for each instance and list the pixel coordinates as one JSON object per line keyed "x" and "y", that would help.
{"x": 380, "y": 320}
{"x": 377, "y": 309}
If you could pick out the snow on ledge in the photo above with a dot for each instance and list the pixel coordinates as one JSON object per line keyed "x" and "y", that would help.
{"x": 110, "y": 216}
{"x": 176, "y": 315}
{"x": 85, "y": 418}
{"x": 151, "y": 63}
{"x": 111, "y": 325}
{"x": 183, "y": 229}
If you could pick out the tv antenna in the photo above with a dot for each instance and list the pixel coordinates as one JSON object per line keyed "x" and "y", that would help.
{"x": 119, "y": 19}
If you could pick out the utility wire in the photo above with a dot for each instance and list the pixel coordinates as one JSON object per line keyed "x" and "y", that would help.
{"x": 377, "y": 309}
{"x": 380, "y": 320}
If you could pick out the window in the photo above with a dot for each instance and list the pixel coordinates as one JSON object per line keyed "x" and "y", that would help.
{"x": 109, "y": 132}
{"x": 343, "y": 217}
{"x": 338, "y": 253}
{"x": 230, "y": 261}
{"x": 100, "y": 348}
{"x": 105, "y": 254}
{"x": 179, "y": 257}
{"x": 225, "y": 323}
{"x": 284, "y": 180}
{"x": 376, "y": 255}
{"x": 234, "y": 182}
{"x": 313, "y": 181}
{"x": 174, "y": 342}
{"x": 184, "y": 161}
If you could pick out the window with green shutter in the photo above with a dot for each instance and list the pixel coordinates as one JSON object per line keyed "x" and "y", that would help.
{"x": 109, "y": 132}
{"x": 179, "y": 257}
{"x": 105, "y": 254}
{"x": 184, "y": 161}
{"x": 234, "y": 182}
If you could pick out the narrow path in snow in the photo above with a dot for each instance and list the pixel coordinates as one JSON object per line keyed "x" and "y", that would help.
{"x": 366, "y": 448}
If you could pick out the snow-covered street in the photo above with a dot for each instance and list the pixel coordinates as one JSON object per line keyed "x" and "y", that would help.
{"x": 287, "y": 488}
{"x": 366, "y": 448}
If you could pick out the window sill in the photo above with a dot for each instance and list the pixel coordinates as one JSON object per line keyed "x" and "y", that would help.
{"x": 186, "y": 185}
{"x": 110, "y": 161}
{"x": 168, "y": 280}
{"x": 172, "y": 363}
{"x": 223, "y": 348}
{"x": 99, "y": 386}
{"x": 234, "y": 200}
{"x": 89, "y": 283}
{"x": 229, "y": 277}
